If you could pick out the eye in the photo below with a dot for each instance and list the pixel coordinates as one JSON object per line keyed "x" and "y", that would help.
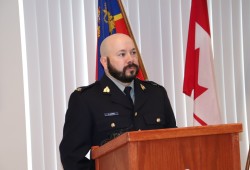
{"x": 121, "y": 54}
{"x": 133, "y": 52}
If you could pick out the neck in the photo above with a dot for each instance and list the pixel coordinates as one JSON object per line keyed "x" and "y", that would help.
{"x": 114, "y": 79}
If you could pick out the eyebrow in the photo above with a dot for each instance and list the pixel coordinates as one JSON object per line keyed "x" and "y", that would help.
{"x": 129, "y": 50}
{"x": 122, "y": 50}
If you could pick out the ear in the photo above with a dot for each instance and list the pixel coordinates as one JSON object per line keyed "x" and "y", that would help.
{"x": 103, "y": 61}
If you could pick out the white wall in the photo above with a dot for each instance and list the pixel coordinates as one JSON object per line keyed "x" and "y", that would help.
{"x": 13, "y": 153}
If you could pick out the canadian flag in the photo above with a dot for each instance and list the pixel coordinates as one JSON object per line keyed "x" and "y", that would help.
{"x": 199, "y": 76}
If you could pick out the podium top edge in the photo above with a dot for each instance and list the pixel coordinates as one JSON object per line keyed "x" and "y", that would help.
{"x": 184, "y": 132}
{"x": 169, "y": 133}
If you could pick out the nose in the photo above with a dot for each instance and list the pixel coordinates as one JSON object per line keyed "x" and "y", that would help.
{"x": 130, "y": 58}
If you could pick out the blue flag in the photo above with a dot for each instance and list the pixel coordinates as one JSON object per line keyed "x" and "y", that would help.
{"x": 110, "y": 21}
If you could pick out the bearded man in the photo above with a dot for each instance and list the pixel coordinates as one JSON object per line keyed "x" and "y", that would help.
{"x": 118, "y": 103}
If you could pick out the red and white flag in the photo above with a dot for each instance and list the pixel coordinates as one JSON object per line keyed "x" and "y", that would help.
{"x": 199, "y": 69}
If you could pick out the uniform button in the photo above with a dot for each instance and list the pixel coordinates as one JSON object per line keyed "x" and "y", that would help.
{"x": 135, "y": 113}
{"x": 112, "y": 125}
{"x": 158, "y": 120}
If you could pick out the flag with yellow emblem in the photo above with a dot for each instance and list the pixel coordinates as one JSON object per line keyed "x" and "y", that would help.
{"x": 112, "y": 19}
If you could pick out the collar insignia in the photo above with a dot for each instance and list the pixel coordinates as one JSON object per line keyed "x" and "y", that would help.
{"x": 143, "y": 87}
{"x": 106, "y": 90}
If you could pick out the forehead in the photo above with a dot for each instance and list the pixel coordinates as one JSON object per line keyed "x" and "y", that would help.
{"x": 121, "y": 44}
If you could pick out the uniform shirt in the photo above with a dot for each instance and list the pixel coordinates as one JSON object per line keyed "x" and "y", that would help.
{"x": 122, "y": 87}
{"x": 100, "y": 112}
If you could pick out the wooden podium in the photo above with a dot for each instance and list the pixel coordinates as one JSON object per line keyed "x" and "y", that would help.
{"x": 214, "y": 147}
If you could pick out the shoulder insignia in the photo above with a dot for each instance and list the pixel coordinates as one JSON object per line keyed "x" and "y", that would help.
{"x": 79, "y": 89}
{"x": 83, "y": 88}
{"x": 153, "y": 83}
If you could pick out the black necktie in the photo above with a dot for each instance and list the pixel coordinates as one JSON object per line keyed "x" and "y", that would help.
{"x": 127, "y": 92}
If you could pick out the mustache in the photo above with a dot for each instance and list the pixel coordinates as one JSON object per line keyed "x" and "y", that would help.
{"x": 130, "y": 65}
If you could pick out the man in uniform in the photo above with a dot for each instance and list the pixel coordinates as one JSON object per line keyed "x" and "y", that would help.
{"x": 102, "y": 111}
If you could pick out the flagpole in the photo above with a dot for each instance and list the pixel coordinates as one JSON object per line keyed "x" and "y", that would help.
{"x": 132, "y": 36}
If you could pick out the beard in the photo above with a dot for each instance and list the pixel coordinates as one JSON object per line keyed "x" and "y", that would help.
{"x": 121, "y": 75}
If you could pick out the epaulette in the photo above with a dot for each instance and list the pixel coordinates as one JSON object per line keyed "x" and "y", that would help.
{"x": 153, "y": 83}
{"x": 84, "y": 88}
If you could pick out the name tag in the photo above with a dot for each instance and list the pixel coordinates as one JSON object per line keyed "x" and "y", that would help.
{"x": 111, "y": 114}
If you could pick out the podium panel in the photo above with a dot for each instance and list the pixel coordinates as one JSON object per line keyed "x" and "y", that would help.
{"x": 192, "y": 148}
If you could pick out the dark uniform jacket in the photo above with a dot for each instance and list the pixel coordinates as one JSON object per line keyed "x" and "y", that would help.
{"x": 99, "y": 112}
